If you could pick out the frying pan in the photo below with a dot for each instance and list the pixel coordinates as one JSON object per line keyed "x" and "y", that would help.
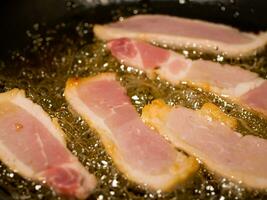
{"x": 18, "y": 16}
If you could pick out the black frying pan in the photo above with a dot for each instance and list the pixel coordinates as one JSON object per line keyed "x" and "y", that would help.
{"x": 18, "y": 16}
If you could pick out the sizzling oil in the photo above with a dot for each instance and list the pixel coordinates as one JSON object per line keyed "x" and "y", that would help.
{"x": 66, "y": 51}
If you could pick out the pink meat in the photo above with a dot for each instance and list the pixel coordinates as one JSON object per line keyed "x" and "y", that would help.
{"x": 65, "y": 179}
{"x": 182, "y": 27}
{"x": 181, "y": 32}
{"x": 139, "y": 54}
{"x": 242, "y": 158}
{"x": 109, "y": 101}
{"x": 224, "y": 79}
{"x": 35, "y": 152}
{"x": 218, "y": 75}
{"x": 219, "y": 144}
{"x": 142, "y": 154}
{"x": 257, "y": 98}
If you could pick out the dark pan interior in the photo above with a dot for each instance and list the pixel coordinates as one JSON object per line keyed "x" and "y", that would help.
{"x": 18, "y": 16}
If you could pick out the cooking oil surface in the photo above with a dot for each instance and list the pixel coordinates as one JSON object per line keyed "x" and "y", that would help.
{"x": 68, "y": 50}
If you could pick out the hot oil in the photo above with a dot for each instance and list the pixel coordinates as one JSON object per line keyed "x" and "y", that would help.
{"x": 69, "y": 51}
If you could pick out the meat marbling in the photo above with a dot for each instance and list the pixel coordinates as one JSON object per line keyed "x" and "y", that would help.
{"x": 34, "y": 146}
{"x": 232, "y": 81}
{"x": 181, "y": 32}
{"x": 140, "y": 153}
{"x": 220, "y": 148}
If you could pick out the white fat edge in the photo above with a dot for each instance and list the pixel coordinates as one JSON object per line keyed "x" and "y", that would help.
{"x": 9, "y": 95}
{"x": 7, "y": 156}
{"x": 165, "y": 72}
{"x": 59, "y": 131}
{"x": 192, "y": 21}
{"x": 135, "y": 62}
{"x": 82, "y": 109}
{"x": 179, "y": 19}
{"x": 248, "y": 179}
{"x": 138, "y": 58}
{"x": 258, "y": 41}
{"x": 105, "y": 32}
{"x": 155, "y": 181}
{"x": 230, "y": 50}
{"x": 231, "y": 173}
{"x": 37, "y": 112}
{"x": 241, "y": 88}
{"x": 88, "y": 182}
{"x": 262, "y": 36}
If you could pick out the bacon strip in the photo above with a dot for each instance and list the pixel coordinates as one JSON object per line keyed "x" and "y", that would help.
{"x": 181, "y": 32}
{"x": 139, "y": 152}
{"x": 33, "y": 145}
{"x": 232, "y": 81}
{"x": 241, "y": 158}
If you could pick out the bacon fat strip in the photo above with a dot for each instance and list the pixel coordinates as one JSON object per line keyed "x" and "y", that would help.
{"x": 232, "y": 81}
{"x": 34, "y": 146}
{"x": 181, "y": 32}
{"x": 221, "y": 149}
{"x": 139, "y": 152}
